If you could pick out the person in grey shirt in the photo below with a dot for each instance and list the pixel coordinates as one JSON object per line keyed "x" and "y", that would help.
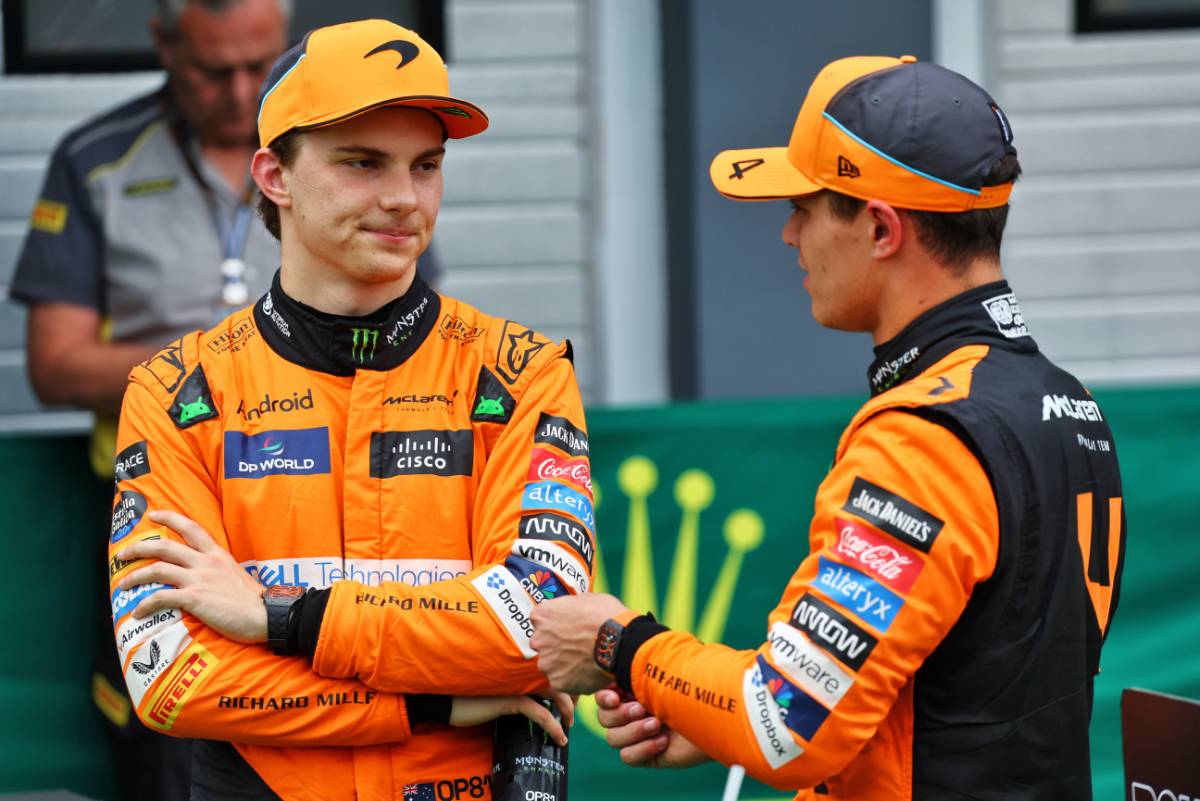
{"x": 144, "y": 231}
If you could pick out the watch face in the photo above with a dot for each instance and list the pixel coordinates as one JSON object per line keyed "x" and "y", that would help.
{"x": 605, "y": 652}
{"x": 284, "y": 592}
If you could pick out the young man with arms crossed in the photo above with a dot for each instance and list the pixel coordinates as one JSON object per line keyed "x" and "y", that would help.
{"x": 364, "y": 446}
{"x": 941, "y": 638}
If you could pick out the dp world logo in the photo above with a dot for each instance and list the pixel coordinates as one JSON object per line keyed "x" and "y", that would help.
{"x": 271, "y": 447}
{"x": 693, "y": 492}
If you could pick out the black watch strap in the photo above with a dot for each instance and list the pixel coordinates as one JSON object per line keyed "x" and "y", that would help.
{"x": 280, "y": 601}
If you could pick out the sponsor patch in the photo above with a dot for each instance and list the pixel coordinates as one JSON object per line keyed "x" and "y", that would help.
{"x": 231, "y": 340}
{"x": 518, "y": 346}
{"x": 1005, "y": 312}
{"x": 861, "y": 594}
{"x": 1058, "y": 406}
{"x": 457, "y": 329}
{"x": 493, "y": 403}
{"x": 320, "y": 572}
{"x": 406, "y": 324}
{"x": 427, "y": 452}
{"x": 510, "y": 603}
{"x": 540, "y": 583}
{"x": 805, "y": 664}
{"x": 150, "y": 186}
{"x": 272, "y": 314}
{"x": 193, "y": 403}
{"x": 166, "y": 366}
{"x": 890, "y": 562}
{"x": 127, "y": 513}
{"x": 558, "y": 559}
{"x": 132, "y": 462}
{"x": 552, "y": 495}
{"x": 887, "y": 512}
{"x": 48, "y": 217}
{"x": 134, "y": 632}
{"x": 801, "y": 712}
{"x": 194, "y": 667}
{"x": 125, "y": 601}
{"x": 833, "y": 631}
{"x": 556, "y": 528}
{"x": 269, "y": 405}
{"x": 562, "y": 434}
{"x": 117, "y": 568}
{"x": 766, "y": 721}
{"x": 152, "y": 658}
{"x": 545, "y": 465}
{"x": 283, "y": 452}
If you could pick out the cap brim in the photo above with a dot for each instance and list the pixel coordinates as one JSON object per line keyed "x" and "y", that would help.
{"x": 758, "y": 174}
{"x": 462, "y": 119}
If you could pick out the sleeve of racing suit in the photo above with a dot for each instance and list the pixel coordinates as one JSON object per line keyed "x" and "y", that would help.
{"x": 183, "y": 677}
{"x": 905, "y": 526}
{"x": 533, "y": 538}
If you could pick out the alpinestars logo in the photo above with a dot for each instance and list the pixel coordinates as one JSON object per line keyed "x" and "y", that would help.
{"x": 362, "y": 344}
{"x": 518, "y": 346}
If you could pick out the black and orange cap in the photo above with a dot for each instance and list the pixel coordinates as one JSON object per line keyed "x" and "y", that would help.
{"x": 913, "y": 134}
{"x": 344, "y": 70}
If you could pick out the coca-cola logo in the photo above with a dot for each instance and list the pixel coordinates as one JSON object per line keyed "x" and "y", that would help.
{"x": 887, "y": 560}
{"x": 547, "y": 465}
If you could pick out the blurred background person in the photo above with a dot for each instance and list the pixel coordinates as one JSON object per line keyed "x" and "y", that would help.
{"x": 145, "y": 230}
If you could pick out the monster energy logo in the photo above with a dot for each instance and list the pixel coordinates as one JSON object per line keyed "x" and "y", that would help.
{"x": 363, "y": 346}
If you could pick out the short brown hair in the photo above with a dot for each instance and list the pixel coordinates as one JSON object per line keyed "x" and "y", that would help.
{"x": 285, "y": 149}
{"x": 953, "y": 238}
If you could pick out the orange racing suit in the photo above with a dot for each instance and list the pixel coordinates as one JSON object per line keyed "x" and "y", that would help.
{"x": 427, "y": 462}
{"x": 941, "y": 638}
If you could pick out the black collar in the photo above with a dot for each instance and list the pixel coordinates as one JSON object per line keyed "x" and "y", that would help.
{"x": 381, "y": 340}
{"x": 987, "y": 314}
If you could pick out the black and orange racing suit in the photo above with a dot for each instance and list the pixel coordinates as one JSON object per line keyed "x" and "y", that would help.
{"x": 428, "y": 463}
{"x": 941, "y": 638}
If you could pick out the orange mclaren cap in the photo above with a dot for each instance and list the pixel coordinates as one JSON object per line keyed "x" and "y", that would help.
{"x": 915, "y": 135}
{"x": 348, "y": 69}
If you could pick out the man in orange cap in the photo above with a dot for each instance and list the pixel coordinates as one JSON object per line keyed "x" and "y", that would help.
{"x": 941, "y": 638}
{"x": 365, "y": 448}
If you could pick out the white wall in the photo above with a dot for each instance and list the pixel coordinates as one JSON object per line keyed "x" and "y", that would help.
{"x": 1103, "y": 246}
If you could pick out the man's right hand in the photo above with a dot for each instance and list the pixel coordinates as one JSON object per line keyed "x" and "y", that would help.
{"x": 643, "y": 740}
{"x": 467, "y": 710}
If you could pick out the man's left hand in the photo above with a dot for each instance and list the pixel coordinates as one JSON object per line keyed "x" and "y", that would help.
{"x": 565, "y": 637}
{"x": 204, "y": 579}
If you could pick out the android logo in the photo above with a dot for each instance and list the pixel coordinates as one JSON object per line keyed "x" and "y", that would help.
{"x": 490, "y": 406}
{"x": 190, "y": 411}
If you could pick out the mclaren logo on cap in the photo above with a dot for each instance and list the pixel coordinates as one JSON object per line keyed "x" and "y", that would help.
{"x": 407, "y": 50}
{"x": 846, "y": 168}
{"x": 740, "y": 168}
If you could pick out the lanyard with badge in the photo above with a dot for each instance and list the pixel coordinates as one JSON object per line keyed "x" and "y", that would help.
{"x": 233, "y": 232}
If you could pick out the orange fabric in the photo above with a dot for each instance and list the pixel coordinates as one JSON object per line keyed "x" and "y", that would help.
{"x": 343, "y": 735}
{"x": 860, "y": 715}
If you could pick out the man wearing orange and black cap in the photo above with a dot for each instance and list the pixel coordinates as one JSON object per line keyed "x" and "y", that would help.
{"x": 941, "y": 638}
{"x": 363, "y": 447}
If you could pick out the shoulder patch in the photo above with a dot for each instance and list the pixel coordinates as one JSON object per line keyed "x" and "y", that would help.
{"x": 493, "y": 402}
{"x": 48, "y": 216}
{"x": 453, "y": 327}
{"x": 165, "y": 370}
{"x": 516, "y": 350}
{"x": 193, "y": 403}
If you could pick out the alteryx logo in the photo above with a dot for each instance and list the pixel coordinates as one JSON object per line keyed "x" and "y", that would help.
{"x": 298, "y": 452}
{"x": 558, "y": 497}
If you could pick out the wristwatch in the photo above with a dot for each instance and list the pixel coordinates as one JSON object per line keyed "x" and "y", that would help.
{"x": 280, "y": 599}
{"x": 608, "y": 641}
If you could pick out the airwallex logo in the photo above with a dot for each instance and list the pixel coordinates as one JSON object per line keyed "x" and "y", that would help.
{"x": 288, "y": 452}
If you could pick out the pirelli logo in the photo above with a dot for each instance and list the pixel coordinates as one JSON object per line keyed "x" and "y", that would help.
{"x": 49, "y": 217}
{"x": 192, "y": 668}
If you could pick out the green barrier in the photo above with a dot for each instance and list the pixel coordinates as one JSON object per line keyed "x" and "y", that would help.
{"x": 703, "y": 513}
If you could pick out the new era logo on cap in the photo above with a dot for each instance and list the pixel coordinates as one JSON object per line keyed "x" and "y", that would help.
{"x": 846, "y": 168}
